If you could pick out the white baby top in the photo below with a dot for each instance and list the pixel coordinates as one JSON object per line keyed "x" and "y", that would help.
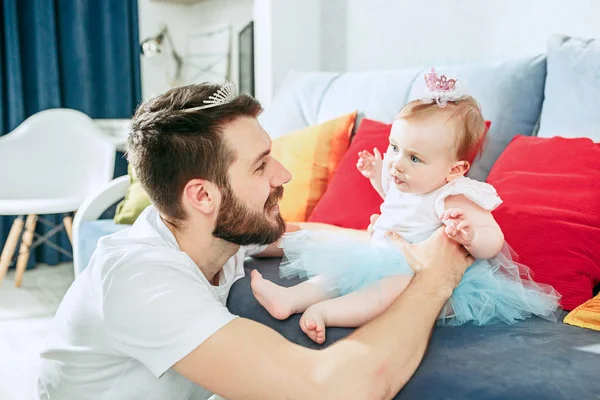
{"x": 416, "y": 216}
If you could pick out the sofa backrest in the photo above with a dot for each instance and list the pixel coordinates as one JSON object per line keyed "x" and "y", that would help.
{"x": 510, "y": 94}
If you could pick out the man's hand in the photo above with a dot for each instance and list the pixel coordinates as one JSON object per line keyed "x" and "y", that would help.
{"x": 274, "y": 250}
{"x": 370, "y": 164}
{"x": 292, "y": 227}
{"x": 438, "y": 259}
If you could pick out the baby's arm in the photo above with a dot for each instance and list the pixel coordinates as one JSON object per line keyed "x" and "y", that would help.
{"x": 376, "y": 183}
{"x": 472, "y": 226}
{"x": 370, "y": 166}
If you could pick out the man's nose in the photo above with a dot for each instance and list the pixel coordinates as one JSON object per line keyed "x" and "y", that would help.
{"x": 281, "y": 176}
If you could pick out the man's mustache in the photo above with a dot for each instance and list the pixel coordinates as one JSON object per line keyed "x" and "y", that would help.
{"x": 274, "y": 198}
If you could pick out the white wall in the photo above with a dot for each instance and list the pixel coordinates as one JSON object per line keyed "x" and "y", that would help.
{"x": 287, "y": 33}
{"x": 359, "y": 35}
{"x": 382, "y": 34}
{"x": 334, "y": 26}
{"x": 180, "y": 19}
{"x": 263, "y": 50}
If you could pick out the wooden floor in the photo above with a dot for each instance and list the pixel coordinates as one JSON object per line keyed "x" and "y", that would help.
{"x": 25, "y": 316}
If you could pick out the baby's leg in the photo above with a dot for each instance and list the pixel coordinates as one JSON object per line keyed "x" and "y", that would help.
{"x": 281, "y": 302}
{"x": 354, "y": 309}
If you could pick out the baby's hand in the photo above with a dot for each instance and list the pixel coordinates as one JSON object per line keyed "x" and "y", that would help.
{"x": 371, "y": 227}
{"x": 368, "y": 164}
{"x": 458, "y": 226}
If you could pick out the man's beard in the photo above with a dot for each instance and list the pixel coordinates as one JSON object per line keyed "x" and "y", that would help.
{"x": 237, "y": 224}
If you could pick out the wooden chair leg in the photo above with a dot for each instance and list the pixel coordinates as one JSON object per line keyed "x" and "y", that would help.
{"x": 25, "y": 248}
{"x": 68, "y": 221}
{"x": 10, "y": 246}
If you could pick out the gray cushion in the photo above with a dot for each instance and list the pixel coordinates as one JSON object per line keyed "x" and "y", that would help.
{"x": 296, "y": 104}
{"x": 376, "y": 95}
{"x": 572, "y": 89}
{"x": 533, "y": 359}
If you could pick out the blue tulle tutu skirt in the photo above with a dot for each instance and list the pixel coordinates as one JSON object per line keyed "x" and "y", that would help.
{"x": 491, "y": 291}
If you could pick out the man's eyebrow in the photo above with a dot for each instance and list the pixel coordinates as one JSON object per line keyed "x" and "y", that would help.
{"x": 261, "y": 156}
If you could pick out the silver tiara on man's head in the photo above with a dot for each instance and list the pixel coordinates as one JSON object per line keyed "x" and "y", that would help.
{"x": 224, "y": 95}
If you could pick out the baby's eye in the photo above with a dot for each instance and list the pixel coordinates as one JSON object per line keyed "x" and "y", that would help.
{"x": 414, "y": 159}
{"x": 394, "y": 148}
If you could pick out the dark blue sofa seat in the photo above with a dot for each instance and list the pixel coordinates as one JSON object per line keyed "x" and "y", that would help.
{"x": 534, "y": 359}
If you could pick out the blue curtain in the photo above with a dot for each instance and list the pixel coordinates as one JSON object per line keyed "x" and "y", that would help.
{"x": 80, "y": 54}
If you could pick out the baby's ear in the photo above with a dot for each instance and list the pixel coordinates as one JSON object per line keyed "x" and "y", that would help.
{"x": 458, "y": 169}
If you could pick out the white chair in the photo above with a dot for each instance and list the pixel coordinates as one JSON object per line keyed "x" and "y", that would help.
{"x": 49, "y": 164}
{"x": 90, "y": 211}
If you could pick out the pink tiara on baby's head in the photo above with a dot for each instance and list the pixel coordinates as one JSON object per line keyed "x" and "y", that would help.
{"x": 440, "y": 89}
{"x": 435, "y": 82}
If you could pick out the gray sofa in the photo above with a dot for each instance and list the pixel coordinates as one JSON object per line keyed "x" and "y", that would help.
{"x": 534, "y": 359}
{"x": 546, "y": 95}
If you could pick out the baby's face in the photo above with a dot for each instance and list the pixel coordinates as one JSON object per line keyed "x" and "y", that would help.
{"x": 421, "y": 153}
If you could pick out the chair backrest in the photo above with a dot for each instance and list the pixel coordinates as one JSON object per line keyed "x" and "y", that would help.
{"x": 55, "y": 153}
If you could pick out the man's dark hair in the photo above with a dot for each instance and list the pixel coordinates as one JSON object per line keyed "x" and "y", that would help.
{"x": 168, "y": 147}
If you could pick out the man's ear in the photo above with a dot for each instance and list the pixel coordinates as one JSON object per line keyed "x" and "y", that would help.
{"x": 201, "y": 195}
{"x": 458, "y": 169}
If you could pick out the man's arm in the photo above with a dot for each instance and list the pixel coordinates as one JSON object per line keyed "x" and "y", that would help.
{"x": 246, "y": 360}
{"x": 275, "y": 251}
{"x": 317, "y": 226}
{"x": 271, "y": 251}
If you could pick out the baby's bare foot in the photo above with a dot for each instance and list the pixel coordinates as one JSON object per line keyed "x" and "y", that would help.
{"x": 313, "y": 323}
{"x": 272, "y": 297}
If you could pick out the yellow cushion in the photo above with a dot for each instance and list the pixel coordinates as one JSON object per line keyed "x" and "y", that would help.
{"x": 586, "y": 315}
{"x": 135, "y": 201}
{"x": 312, "y": 155}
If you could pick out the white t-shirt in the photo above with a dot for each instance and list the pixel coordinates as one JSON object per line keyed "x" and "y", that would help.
{"x": 139, "y": 307}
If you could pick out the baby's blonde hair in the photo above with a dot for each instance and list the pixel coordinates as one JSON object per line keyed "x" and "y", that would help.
{"x": 467, "y": 116}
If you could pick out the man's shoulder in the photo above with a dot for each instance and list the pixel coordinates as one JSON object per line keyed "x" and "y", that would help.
{"x": 147, "y": 236}
{"x": 128, "y": 254}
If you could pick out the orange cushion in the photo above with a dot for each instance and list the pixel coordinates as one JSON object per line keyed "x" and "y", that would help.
{"x": 312, "y": 155}
{"x": 586, "y": 315}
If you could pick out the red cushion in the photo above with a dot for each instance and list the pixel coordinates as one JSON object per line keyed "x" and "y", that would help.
{"x": 551, "y": 211}
{"x": 350, "y": 199}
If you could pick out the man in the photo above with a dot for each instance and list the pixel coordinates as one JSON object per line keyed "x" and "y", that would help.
{"x": 147, "y": 318}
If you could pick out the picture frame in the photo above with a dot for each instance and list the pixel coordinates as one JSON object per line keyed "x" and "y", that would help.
{"x": 246, "y": 59}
